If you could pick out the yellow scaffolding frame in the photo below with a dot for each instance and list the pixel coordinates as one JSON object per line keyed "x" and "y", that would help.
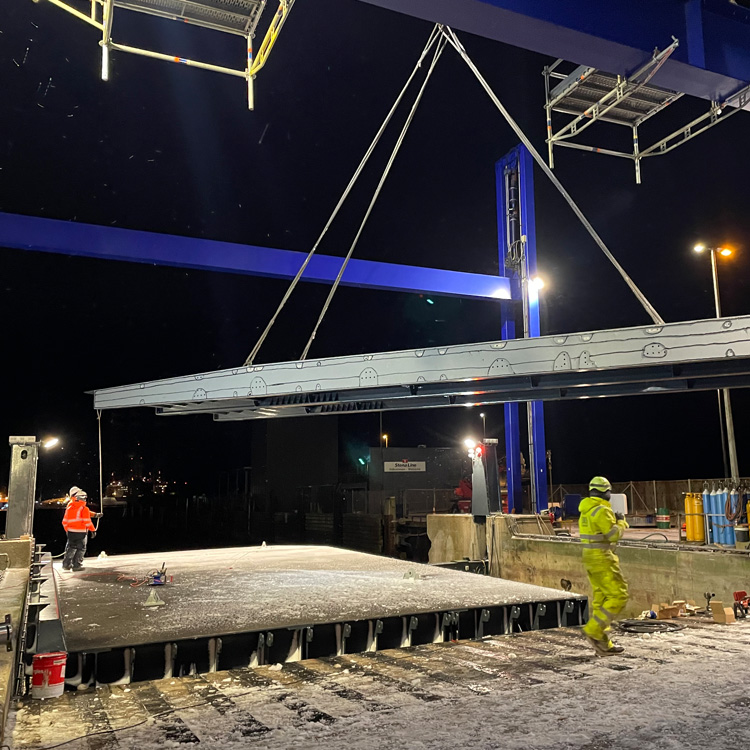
{"x": 101, "y": 17}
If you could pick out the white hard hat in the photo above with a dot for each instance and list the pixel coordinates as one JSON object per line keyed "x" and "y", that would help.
{"x": 77, "y": 492}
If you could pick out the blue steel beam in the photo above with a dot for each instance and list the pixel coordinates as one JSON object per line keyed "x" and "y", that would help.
{"x": 508, "y": 332}
{"x": 514, "y": 176}
{"x": 712, "y": 61}
{"x": 535, "y": 409}
{"x": 89, "y": 240}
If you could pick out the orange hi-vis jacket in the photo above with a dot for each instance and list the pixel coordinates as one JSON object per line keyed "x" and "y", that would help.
{"x": 78, "y": 517}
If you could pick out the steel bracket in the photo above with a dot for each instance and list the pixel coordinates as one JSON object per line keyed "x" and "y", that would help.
{"x": 515, "y": 613}
{"x": 567, "y": 609}
{"x": 7, "y": 625}
{"x": 539, "y": 611}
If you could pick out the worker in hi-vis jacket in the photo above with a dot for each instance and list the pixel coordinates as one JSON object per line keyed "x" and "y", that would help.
{"x": 600, "y": 529}
{"x": 77, "y": 524}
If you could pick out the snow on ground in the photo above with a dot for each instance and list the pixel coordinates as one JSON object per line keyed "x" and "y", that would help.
{"x": 257, "y": 588}
{"x": 687, "y": 690}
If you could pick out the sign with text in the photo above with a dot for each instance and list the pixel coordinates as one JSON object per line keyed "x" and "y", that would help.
{"x": 404, "y": 465}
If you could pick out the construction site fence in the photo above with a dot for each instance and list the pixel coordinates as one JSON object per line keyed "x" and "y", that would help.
{"x": 646, "y": 497}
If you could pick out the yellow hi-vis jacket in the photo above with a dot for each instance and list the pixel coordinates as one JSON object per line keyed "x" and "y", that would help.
{"x": 600, "y": 531}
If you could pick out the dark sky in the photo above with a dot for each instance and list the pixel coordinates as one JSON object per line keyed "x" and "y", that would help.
{"x": 168, "y": 149}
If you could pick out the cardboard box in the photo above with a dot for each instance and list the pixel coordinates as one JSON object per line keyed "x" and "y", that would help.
{"x": 667, "y": 613}
{"x": 722, "y": 614}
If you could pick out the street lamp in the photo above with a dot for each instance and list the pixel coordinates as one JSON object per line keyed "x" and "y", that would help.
{"x": 725, "y": 252}
{"x": 385, "y": 439}
{"x": 484, "y": 431}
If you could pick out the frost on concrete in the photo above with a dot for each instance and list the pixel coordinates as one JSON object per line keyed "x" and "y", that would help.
{"x": 256, "y": 588}
{"x": 541, "y": 690}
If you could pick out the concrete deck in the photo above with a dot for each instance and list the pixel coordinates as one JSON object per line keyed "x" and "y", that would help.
{"x": 238, "y": 590}
{"x": 543, "y": 690}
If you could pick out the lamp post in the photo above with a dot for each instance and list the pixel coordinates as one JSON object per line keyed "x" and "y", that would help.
{"x": 484, "y": 431}
{"x": 385, "y": 440}
{"x": 724, "y": 252}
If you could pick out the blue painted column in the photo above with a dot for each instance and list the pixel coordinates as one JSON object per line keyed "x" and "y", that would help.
{"x": 515, "y": 217}
{"x": 508, "y": 321}
{"x": 512, "y": 428}
{"x": 537, "y": 444}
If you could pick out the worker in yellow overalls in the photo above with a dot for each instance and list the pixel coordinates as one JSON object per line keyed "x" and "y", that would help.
{"x": 601, "y": 528}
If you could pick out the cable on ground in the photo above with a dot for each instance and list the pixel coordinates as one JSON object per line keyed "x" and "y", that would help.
{"x": 649, "y": 626}
{"x": 648, "y": 536}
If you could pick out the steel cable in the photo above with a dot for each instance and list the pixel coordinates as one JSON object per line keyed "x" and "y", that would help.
{"x": 647, "y": 306}
{"x": 432, "y": 40}
{"x": 733, "y": 513}
{"x": 438, "y": 51}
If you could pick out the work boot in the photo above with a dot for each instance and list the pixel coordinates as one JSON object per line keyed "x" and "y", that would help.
{"x": 78, "y": 569}
{"x": 614, "y": 649}
{"x": 604, "y": 647}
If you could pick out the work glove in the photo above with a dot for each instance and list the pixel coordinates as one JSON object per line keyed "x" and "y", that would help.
{"x": 619, "y": 516}
{"x": 93, "y": 534}
{"x": 98, "y": 515}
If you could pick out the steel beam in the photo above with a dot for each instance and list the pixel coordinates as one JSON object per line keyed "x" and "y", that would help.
{"x": 514, "y": 179}
{"x": 93, "y": 241}
{"x": 687, "y": 356}
{"x": 534, "y": 409}
{"x": 712, "y": 61}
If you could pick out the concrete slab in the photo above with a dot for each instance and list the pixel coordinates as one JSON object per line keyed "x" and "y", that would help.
{"x": 236, "y": 590}
{"x": 543, "y": 689}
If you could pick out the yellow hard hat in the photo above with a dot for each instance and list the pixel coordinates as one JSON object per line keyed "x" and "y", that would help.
{"x": 602, "y": 484}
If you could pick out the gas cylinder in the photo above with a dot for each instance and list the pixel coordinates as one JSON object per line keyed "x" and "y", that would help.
{"x": 707, "y": 511}
{"x": 734, "y": 504}
{"x": 689, "y": 517}
{"x": 699, "y": 529}
{"x": 721, "y": 516}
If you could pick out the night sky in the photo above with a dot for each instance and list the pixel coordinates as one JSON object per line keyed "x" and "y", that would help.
{"x": 168, "y": 149}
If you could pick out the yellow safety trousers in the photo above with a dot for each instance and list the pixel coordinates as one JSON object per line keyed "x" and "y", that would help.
{"x": 600, "y": 531}
{"x": 610, "y": 596}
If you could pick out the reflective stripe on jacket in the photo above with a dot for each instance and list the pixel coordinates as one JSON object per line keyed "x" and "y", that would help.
{"x": 599, "y": 530}
{"x": 77, "y": 517}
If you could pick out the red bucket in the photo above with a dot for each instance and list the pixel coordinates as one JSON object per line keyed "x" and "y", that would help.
{"x": 48, "y": 679}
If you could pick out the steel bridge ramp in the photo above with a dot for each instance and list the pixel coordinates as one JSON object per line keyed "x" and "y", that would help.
{"x": 248, "y": 606}
{"x": 671, "y": 358}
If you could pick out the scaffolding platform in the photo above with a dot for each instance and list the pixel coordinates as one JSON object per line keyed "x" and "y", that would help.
{"x": 235, "y": 17}
{"x": 587, "y": 95}
{"x": 239, "y": 607}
